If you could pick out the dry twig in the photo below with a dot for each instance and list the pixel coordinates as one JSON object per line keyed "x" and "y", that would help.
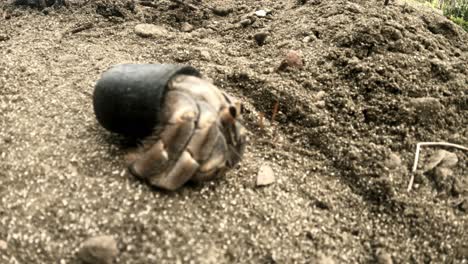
{"x": 416, "y": 156}
{"x": 261, "y": 116}
{"x": 148, "y": 3}
{"x": 275, "y": 111}
{"x": 81, "y": 27}
{"x": 273, "y": 116}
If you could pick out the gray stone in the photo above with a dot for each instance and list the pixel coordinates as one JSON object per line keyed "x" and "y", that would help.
{"x": 245, "y": 22}
{"x": 427, "y": 106}
{"x": 205, "y": 55}
{"x": 186, "y": 27}
{"x": 384, "y": 258}
{"x": 265, "y": 175}
{"x": 392, "y": 162}
{"x": 98, "y": 250}
{"x": 150, "y": 30}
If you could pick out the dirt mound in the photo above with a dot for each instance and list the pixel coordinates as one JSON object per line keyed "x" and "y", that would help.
{"x": 372, "y": 81}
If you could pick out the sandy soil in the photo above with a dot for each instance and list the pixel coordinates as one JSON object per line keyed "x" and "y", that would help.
{"x": 375, "y": 81}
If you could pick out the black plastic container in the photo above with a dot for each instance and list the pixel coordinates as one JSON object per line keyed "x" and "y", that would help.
{"x": 127, "y": 98}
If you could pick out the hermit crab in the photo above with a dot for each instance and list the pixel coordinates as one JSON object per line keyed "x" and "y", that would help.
{"x": 190, "y": 129}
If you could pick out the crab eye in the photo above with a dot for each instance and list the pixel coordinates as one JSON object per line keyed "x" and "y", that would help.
{"x": 241, "y": 109}
{"x": 233, "y": 111}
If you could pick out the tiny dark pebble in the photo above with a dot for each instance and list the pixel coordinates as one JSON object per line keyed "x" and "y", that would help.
{"x": 463, "y": 206}
{"x": 321, "y": 205}
{"x": 4, "y": 37}
{"x": 261, "y": 37}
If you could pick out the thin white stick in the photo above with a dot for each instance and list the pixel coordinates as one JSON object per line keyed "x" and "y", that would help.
{"x": 416, "y": 156}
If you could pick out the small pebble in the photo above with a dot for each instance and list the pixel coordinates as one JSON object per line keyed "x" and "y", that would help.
{"x": 292, "y": 59}
{"x": 392, "y": 162}
{"x": 222, "y": 11}
{"x": 443, "y": 173}
{"x": 98, "y": 250}
{"x": 3, "y": 245}
{"x": 325, "y": 260}
{"x": 245, "y": 22}
{"x": 261, "y": 13}
{"x": 463, "y": 206}
{"x": 205, "y": 55}
{"x": 150, "y": 30}
{"x": 261, "y": 37}
{"x": 265, "y": 175}
{"x": 186, "y": 27}
{"x": 384, "y": 258}
{"x": 308, "y": 39}
{"x": 426, "y": 105}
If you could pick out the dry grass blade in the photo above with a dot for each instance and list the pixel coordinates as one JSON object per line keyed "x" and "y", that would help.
{"x": 275, "y": 111}
{"x": 261, "y": 124}
{"x": 82, "y": 27}
{"x": 416, "y": 156}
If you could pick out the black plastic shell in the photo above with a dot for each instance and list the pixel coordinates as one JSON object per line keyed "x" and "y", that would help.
{"x": 127, "y": 98}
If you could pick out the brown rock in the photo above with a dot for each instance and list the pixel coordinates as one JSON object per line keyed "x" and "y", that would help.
{"x": 186, "y": 27}
{"x": 98, "y": 250}
{"x": 292, "y": 59}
